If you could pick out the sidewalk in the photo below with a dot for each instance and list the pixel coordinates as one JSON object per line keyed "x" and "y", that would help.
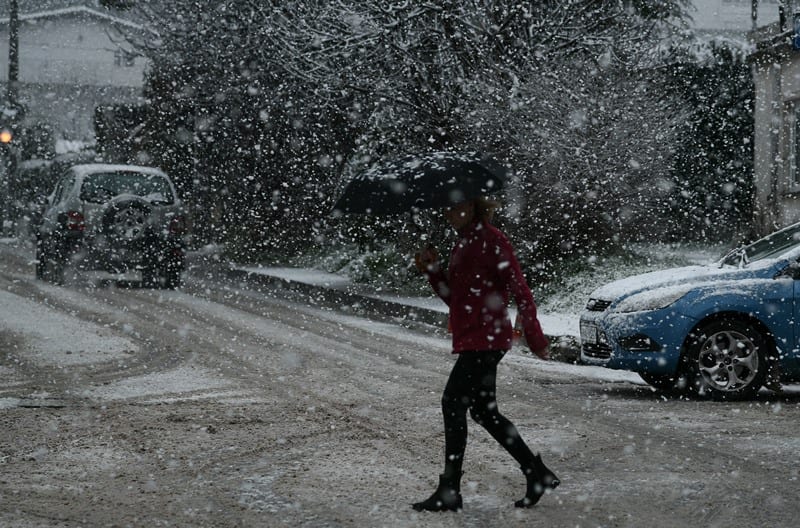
{"x": 336, "y": 290}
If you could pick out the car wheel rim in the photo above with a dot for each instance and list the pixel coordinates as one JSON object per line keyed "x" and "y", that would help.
{"x": 728, "y": 361}
{"x": 128, "y": 224}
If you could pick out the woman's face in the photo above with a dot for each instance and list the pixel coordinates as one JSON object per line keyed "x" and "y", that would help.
{"x": 460, "y": 215}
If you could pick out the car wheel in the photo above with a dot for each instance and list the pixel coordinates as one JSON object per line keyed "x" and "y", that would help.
{"x": 149, "y": 277}
{"x": 49, "y": 264}
{"x": 662, "y": 382}
{"x": 727, "y": 360}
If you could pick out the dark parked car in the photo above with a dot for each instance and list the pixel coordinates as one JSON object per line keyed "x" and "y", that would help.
{"x": 724, "y": 330}
{"x": 116, "y": 219}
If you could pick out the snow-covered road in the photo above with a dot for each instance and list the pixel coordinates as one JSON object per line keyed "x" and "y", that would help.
{"x": 228, "y": 405}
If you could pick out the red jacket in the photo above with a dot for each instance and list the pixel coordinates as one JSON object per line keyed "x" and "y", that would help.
{"x": 482, "y": 275}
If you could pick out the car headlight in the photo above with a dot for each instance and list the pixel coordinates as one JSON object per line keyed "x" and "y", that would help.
{"x": 652, "y": 300}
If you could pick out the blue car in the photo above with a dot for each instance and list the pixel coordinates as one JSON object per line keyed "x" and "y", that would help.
{"x": 723, "y": 330}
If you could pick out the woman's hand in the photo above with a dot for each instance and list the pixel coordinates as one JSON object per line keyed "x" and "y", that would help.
{"x": 427, "y": 260}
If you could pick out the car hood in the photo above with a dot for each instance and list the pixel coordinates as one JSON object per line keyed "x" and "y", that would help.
{"x": 694, "y": 275}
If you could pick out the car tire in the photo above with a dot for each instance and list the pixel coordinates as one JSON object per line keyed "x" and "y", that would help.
{"x": 149, "y": 277}
{"x": 55, "y": 269}
{"x": 49, "y": 265}
{"x": 172, "y": 275}
{"x": 726, "y": 360}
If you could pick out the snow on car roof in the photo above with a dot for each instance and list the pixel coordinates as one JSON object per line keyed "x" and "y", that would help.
{"x": 91, "y": 168}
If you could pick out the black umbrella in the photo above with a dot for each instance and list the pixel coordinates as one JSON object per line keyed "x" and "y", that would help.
{"x": 424, "y": 181}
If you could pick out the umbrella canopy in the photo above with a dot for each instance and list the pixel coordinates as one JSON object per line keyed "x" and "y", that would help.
{"x": 424, "y": 181}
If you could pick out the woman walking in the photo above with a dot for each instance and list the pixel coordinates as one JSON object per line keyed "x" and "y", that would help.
{"x": 482, "y": 274}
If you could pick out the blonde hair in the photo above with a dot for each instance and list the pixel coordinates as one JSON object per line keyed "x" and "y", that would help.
{"x": 485, "y": 208}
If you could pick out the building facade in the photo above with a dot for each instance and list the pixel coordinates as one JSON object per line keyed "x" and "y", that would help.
{"x": 776, "y": 73}
{"x": 732, "y": 17}
{"x": 70, "y": 61}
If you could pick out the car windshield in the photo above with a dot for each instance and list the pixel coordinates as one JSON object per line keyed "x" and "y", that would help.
{"x": 102, "y": 186}
{"x": 770, "y": 246}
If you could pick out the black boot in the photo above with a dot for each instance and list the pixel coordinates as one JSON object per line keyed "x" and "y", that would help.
{"x": 538, "y": 479}
{"x": 447, "y": 496}
{"x": 549, "y": 479}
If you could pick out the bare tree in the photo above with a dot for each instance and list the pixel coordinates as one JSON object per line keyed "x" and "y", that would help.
{"x": 557, "y": 89}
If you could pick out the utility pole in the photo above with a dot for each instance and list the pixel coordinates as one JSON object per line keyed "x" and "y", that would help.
{"x": 9, "y": 121}
{"x": 785, "y": 13}
{"x": 13, "y": 54}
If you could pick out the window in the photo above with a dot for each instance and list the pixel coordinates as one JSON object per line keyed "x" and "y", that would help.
{"x": 102, "y": 186}
{"x": 123, "y": 58}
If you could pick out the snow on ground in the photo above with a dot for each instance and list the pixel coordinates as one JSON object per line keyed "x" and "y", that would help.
{"x": 566, "y": 370}
{"x": 59, "y": 340}
{"x": 176, "y": 381}
{"x": 306, "y": 276}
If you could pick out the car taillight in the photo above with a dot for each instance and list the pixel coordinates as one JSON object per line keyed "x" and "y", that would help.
{"x": 75, "y": 221}
{"x": 177, "y": 226}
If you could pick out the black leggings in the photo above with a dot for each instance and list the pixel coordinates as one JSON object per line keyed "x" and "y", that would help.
{"x": 472, "y": 386}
